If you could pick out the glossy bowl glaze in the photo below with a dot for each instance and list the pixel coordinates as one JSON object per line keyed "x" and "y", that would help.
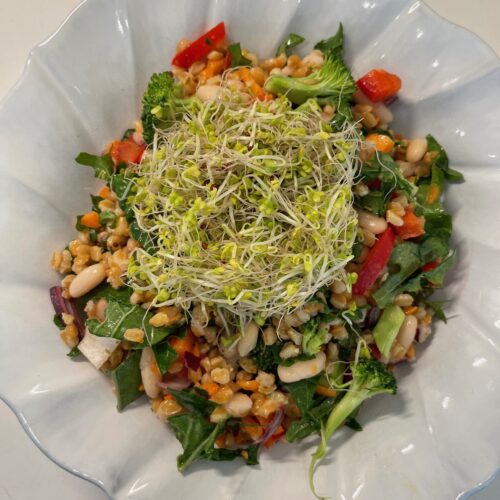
{"x": 438, "y": 438}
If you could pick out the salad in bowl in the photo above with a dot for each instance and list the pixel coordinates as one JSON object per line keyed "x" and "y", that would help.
{"x": 262, "y": 250}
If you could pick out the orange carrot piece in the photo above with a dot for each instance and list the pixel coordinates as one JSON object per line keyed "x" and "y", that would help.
{"x": 210, "y": 387}
{"x": 328, "y": 392}
{"x": 213, "y": 67}
{"x": 410, "y": 310}
{"x": 252, "y": 428}
{"x": 104, "y": 192}
{"x": 180, "y": 346}
{"x": 245, "y": 75}
{"x": 221, "y": 439}
{"x": 382, "y": 143}
{"x": 433, "y": 193}
{"x": 412, "y": 227}
{"x": 248, "y": 385}
{"x": 90, "y": 219}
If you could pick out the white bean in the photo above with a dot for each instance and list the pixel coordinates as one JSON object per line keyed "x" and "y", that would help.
{"x": 88, "y": 279}
{"x": 208, "y": 92}
{"x": 416, "y": 150}
{"x": 384, "y": 113}
{"x": 405, "y": 338}
{"x": 149, "y": 377}
{"x": 372, "y": 223}
{"x": 302, "y": 369}
{"x": 248, "y": 340}
{"x": 239, "y": 405}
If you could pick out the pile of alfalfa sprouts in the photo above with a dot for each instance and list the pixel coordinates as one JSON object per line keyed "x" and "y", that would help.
{"x": 249, "y": 206}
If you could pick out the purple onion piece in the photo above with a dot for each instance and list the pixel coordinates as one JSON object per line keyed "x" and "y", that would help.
{"x": 191, "y": 361}
{"x": 273, "y": 425}
{"x": 391, "y": 99}
{"x": 68, "y": 306}
{"x": 176, "y": 384}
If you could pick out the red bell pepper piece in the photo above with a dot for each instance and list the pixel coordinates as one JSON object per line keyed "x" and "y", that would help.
{"x": 430, "y": 266}
{"x": 201, "y": 47}
{"x": 375, "y": 262}
{"x": 126, "y": 151}
{"x": 412, "y": 227}
{"x": 378, "y": 85}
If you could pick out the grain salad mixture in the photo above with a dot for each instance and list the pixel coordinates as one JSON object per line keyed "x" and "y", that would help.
{"x": 262, "y": 250}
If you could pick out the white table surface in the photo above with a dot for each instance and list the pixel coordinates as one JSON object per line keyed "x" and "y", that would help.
{"x": 25, "y": 473}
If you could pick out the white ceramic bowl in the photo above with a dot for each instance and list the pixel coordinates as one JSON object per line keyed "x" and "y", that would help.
{"x": 438, "y": 438}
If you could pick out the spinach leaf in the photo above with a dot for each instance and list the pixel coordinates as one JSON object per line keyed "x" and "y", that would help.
{"x": 194, "y": 399}
{"x": 435, "y": 277}
{"x": 103, "y": 165}
{"x": 311, "y": 422}
{"x": 383, "y": 167}
{"x": 291, "y": 41}
{"x": 353, "y": 424}
{"x": 127, "y": 380}
{"x": 237, "y": 57}
{"x": 74, "y": 353}
{"x": 433, "y": 248}
{"x": 333, "y": 45}
{"x": 107, "y": 218}
{"x": 442, "y": 161}
{"x": 406, "y": 256}
{"x": 165, "y": 355}
{"x": 95, "y": 202}
{"x": 437, "y": 307}
{"x": 106, "y": 291}
{"x": 121, "y": 184}
{"x": 267, "y": 358}
{"x": 303, "y": 392}
{"x": 121, "y": 317}
{"x": 373, "y": 202}
{"x": 343, "y": 112}
{"x": 196, "y": 436}
{"x": 58, "y": 322}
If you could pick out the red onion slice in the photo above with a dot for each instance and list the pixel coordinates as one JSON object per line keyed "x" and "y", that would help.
{"x": 272, "y": 426}
{"x": 191, "y": 361}
{"x": 68, "y": 306}
{"x": 177, "y": 384}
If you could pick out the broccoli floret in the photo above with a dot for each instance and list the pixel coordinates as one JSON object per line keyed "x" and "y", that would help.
{"x": 328, "y": 84}
{"x": 162, "y": 103}
{"x": 369, "y": 378}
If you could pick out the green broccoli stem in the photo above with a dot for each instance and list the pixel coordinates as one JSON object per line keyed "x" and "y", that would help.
{"x": 337, "y": 417}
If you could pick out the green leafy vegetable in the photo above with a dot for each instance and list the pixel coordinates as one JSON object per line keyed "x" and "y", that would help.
{"x": 442, "y": 161}
{"x": 406, "y": 256}
{"x": 237, "y": 57}
{"x": 369, "y": 378}
{"x": 196, "y": 436}
{"x": 195, "y": 400}
{"x": 303, "y": 392}
{"x": 127, "y": 380}
{"x": 334, "y": 45}
{"x": 95, "y": 202}
{"x": 103, "y": 165}
{"x": 58, "y": 322}
{"x": 165, "y": 355}
{"x": 373, "y": 202}
{"x": 311, "y": 422}
{"x": 267, "y": 358}
{"x": 74, "y": 352}
{"x": 387, "y": 328}
{"x": 122, "y": 184}
{"x": 107, "y": 218}
{"x": 106, "y": 291}
{"x": 437, "y": 307}
{"x": 121, "y": 317}
{"x": 291, "y": 41}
